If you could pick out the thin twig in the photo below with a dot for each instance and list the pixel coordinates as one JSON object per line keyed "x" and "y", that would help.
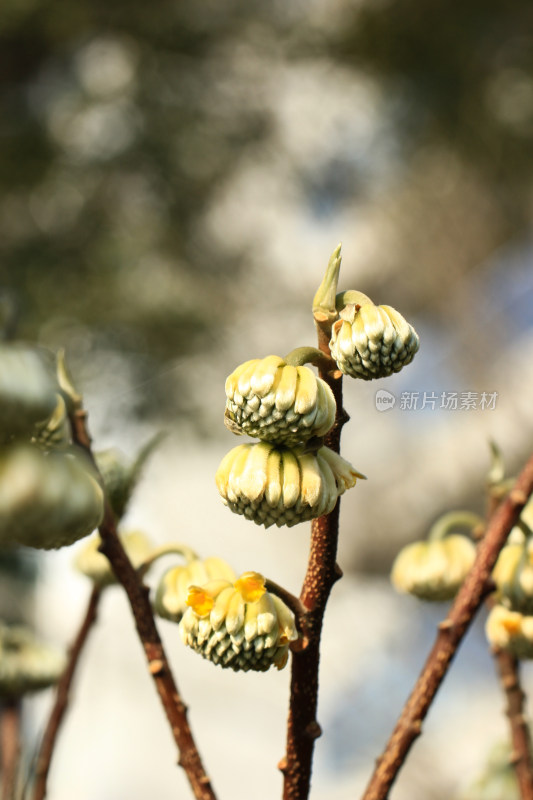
{"x": 509, "y": 671}
{"x": 508, "y": 668}
{"x": 158, "y": 665}
{"x": 10, "y": 746}
{"x": 62, "y": 697}
{"x": 322, "y": 572}
{"x": 450, "y": 635}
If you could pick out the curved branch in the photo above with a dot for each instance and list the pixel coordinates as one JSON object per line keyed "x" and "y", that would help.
{"x": 158, "y": 665}
{"x": 62, "y": 698}
{"x": 450, "y": 635}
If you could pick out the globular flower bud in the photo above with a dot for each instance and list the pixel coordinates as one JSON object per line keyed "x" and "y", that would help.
{"x": 433, "y": 569}
{"x": 171, "y": 596}
{"x": 238, "y": 625}
{"x": 272, "y": 400}
{"x": 47, "y": 500}
{"x": 513, "y": 575}
{"x": 96, "y": 566}
{"x": 370, "y": 341}
{"x": 26, "y": 664}
{"x": 278, "y": 485}
{"x": 510, "y": 631}
{"x": 27, "y": 390}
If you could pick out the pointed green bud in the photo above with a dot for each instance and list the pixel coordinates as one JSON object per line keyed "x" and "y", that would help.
{"x": 371, "y": 341}
{"x": 26, "y": 664}
{"x": 434, "y": 570}
{"x": 73, "y": 398}
{"x": 282, "y": 486}
{"x": 47, "y": 500}
{"x": 324, "y": 299}
{"x": 171, "y": 596}
{"x": 280, "y": 403}
{"x": 238, "y": 624}
{"x": 94, "y": 564}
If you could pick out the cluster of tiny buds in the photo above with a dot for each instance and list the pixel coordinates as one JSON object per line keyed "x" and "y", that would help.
{"x": 238, "y": 625}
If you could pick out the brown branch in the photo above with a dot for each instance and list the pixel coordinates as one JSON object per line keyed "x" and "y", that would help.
{"x": 9, "y": 746}
{"x": 322, "y": 572}
{"x": 62, "y": 698}
{"x": 158, "y": 665}
{"x": 508, "y": 668}
{"x": 450, "y": 635}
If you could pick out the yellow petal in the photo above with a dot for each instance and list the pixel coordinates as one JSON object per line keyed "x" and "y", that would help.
{"x": 251, "y": 585}
{"x": 200, "y": 601}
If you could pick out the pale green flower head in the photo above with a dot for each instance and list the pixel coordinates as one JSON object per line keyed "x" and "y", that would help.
{"x": 370, "y": 341}
{"x": 95, "y": 565}
{"x": 510, "y": 631}
{"x": 238, "y": 625}
{"x": 273, "y": 485}
{"x": 47, "y": 500}
{"x": 434, "y": 569}
{"x": 26, "y": 664}
{"x": 280, "y": 403}
{"x": 171, "y": 596}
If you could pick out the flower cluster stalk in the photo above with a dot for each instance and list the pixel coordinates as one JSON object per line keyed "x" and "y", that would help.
{"x": 322, "y": 572}
{"x": 62, "y": 697}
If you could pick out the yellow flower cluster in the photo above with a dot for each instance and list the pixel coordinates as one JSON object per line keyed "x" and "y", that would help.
{"x": 173, "y": 589}
{"x": 238, "y": 625}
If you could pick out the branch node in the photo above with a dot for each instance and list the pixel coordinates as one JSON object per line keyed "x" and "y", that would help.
{"x": 282, "y": 764}
{"x": 313, "y": 730}
{"x": 156, "y": 666}
{"x": 446, "y": 625}
{"x": 518, "y": 496}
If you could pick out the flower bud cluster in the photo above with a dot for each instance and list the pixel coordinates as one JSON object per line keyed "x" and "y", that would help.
{"x": 434, "y": 569}
{"x": 282, "y": 486}
{"x": 510, "y": 623}
{"x": 510, "y": 631}
{"x": 280, "y": 403}
{"x": 288, "y": 477}
{"x": 90, "y": 562}
{"x": 370, "y": 341}
{"x": 49, "y": 492}
{"x": 26, "y": 664}
{"x": 171, "y": 597}
{"x": 238, "y": 625}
